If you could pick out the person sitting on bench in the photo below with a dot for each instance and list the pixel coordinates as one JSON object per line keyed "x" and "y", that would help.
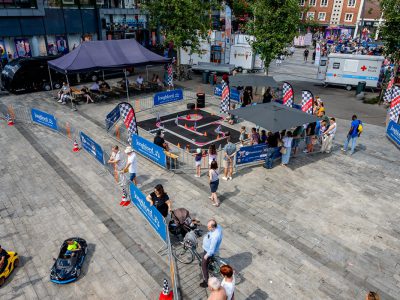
{"x": 159, "y": 140}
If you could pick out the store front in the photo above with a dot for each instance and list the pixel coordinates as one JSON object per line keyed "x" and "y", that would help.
{"x": 128, "y": 27}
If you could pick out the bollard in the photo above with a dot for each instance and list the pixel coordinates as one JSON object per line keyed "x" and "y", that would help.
{"x": 68, "y": 129}
{"x": 117, "y": 132}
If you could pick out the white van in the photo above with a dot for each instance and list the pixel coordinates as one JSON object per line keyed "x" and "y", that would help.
{"x": 348, "y": 69}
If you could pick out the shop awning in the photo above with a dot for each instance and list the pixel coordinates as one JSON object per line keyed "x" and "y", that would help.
{"x": 274, "y": 116}
{"x": 252, "y": 80}
{"x": 103, "y": 55}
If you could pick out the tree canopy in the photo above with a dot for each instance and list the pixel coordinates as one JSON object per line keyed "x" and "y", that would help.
{"x": 181, "y": 21}
{"x": 390, "y": 30}
{"x": 274, "y": 25}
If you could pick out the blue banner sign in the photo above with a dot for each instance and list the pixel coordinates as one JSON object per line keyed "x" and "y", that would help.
{"x": 149, "y": 150}
{"x": 235, "y": 95}
{"x": 152, "y": 215}
{"x": 112, "y": 117}
{"x": 44, "y": 119}
{"x": 393, "y": 132}
{"x": 168, "y": 97}
{"x": 92, "y": 147}
{"x": 250, "y": 154}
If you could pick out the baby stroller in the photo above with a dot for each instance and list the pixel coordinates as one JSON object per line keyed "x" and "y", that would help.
{"x": 181, "y": 223}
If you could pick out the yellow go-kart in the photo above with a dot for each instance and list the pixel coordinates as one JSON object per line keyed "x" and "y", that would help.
{"x": 13, "y": 261}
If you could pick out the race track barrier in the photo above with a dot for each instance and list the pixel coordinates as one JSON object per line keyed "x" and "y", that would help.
{"x": 25, "y": 115}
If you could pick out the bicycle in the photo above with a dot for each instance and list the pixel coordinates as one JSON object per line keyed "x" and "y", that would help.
{"x": 185, "y": 252}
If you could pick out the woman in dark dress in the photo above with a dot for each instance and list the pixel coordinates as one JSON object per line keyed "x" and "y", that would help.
{"x": 160, "y": 200}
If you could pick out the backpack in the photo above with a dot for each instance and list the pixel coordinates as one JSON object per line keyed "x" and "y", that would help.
{"x": 360, "y": 128}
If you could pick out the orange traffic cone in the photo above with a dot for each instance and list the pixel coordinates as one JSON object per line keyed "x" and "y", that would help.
{"x": 188, "y": 117}
{"x": 10, "y": 121}
{"x": 75, "y": 148}
{"x": 205, "y": 133}
{"x": 185, "y": 125}
{"x": 192, "y": 128}
{"x": 124, "y": 200}
{"x": 218, "y": 137}
{"x": 179, "y": 146}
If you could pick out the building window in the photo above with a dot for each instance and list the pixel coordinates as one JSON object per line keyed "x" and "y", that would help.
{"x": 301, "y": 2}
{"x": 351, "y": 3}
{"x": 313, "y": 2}
{"x": 348, "y": 17}
{"x": 310, "y": 15}
{"x": 18, "y": 4}
{"x": 301, "y": 16}
{"x": 321, "y": 16}
{"x": 324, "y": 2}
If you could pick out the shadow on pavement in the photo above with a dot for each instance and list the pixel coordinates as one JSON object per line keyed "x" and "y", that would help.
{"x": 258, "y": 294}
{"x": 91, "y": 249}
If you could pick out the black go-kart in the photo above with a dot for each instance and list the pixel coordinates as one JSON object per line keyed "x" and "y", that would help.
{"x": 67, "y": 267}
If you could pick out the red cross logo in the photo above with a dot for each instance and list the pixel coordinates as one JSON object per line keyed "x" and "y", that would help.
{"x": 363, "y": 68}
{"x": 334, "y": 75}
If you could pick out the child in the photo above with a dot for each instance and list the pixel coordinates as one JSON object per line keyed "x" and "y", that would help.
{"x": 197, "y": 158}
{"x": 212, "y": 154}
{"x": 243, "y": 135}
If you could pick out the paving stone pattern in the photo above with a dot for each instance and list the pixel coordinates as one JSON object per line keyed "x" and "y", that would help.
{"x": 326, "y": 227}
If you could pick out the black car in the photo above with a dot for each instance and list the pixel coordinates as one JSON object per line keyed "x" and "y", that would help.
{"x": 67, "y": 267}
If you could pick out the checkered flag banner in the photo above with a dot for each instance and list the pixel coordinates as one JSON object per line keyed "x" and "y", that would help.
{"x": 387, "y": 96}
{"x": 394, "y": 110}
{"x": 288, "y": 94}
{"x": 225, "y": 98}
{"x": 129, "y": 118}
{"x": 170, "y": 77}
{"x": 307, "y": 101}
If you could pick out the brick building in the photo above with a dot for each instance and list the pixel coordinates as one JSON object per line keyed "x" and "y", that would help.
{"x": 335, "y": 16}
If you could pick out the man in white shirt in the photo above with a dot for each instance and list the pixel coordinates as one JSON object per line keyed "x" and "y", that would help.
{"x": 95, "y": 87}
{"x": 139, "y": 81}
{"x": 131, "y": 164}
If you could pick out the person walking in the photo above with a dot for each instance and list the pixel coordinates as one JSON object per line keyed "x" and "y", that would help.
{"x": 228, "y": 281}
{"x": 286, "y": 148}
{"x": 353, "y": 135}
{"x": 211, "y": 244}
{"x": 305, "y": 54}
{"x": 229, "y": 154}
{"x": 328, "y": 136}
{"x": 217, "y": 292}
{"x": 297, "y": 136}
{"x": 131, "y": 164}
{"x": 214, "y": 182}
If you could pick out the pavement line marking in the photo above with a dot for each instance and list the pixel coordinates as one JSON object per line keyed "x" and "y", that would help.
{"x": 323, "y": 260}
{"x": 131, "y": 245}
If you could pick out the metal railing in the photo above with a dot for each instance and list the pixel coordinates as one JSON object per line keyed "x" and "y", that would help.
{"x": 23, "y": 115}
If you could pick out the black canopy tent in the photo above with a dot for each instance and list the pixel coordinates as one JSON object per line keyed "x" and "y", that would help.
{"x": 104, "y": 55}
{"x": 253, "y": 80}
{"x": 274, "y": 116}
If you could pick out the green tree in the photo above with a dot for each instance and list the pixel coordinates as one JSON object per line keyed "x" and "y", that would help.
{"x": 390, "y": 30}
{"x": 274, "y": 25}
{"x": 181, "y": 21}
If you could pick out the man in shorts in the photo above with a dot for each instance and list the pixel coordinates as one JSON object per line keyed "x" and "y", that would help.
{"x": 229, "y": 155}
{"x": 131, "y": 164}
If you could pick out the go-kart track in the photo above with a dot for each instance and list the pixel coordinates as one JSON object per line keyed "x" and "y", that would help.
{"x": 191, "y": 129}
